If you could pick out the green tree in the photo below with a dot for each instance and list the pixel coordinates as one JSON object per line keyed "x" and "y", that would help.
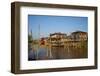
{"x": 30, "y": 39}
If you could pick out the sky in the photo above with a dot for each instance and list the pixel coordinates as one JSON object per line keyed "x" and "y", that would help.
{"x": 52, "y": 24}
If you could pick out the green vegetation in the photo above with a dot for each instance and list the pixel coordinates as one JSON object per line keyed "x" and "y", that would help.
{"x": 30, "y": 39}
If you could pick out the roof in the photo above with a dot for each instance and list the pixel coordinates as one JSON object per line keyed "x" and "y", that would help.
{"x": 58, "y": 33}
{"x": 77, "y": 32}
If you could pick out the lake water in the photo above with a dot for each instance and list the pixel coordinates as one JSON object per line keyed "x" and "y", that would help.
{"x": 45, "y": 53}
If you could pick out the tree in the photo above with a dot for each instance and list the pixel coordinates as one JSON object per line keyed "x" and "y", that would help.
{"x": 30, "y": 39}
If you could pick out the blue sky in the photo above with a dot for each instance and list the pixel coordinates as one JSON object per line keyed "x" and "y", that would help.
{"x": 52, "y": 24}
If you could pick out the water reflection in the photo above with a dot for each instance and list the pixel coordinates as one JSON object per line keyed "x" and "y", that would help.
{"x": 43, "y": 53}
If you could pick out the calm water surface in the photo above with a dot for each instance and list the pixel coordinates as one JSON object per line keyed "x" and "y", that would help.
{"x": 45, "y": 53}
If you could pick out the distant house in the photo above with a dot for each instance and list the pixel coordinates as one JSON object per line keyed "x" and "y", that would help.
{"x": 56, "y": 39}
{"x": 79, "y": 36}
{"x": 58, "y": 35}
{"x": 61, "y": 39}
